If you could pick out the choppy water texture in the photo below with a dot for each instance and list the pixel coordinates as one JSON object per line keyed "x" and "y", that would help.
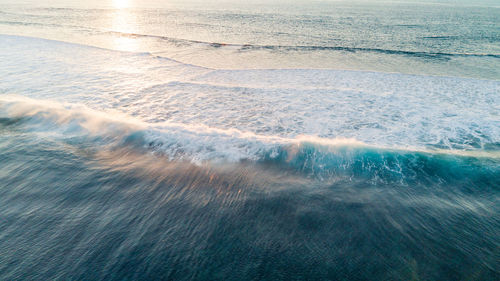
{"x": 154, "y": 153}
{"x": 443, "y": 37}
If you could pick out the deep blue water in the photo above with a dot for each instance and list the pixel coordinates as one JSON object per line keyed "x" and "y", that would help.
{"x": 76, "y": 207}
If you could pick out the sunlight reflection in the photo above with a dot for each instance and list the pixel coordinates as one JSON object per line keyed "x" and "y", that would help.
{"x": 124, "y": 43}
{"x": 124, "y": 23}
{"x": 121, "y": 3}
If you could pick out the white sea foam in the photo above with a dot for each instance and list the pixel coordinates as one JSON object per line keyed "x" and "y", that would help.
{"x": 194, "y": 143}
{"x": 202, "y": 114}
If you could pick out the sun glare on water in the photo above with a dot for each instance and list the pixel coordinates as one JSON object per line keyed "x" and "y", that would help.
{"x": 121, "y": 3}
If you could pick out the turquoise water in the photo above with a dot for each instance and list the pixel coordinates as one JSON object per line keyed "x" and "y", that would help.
{"x": 249, "y": 141}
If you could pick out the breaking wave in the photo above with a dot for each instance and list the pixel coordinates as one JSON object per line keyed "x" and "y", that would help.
{"x": 306, "y": 155}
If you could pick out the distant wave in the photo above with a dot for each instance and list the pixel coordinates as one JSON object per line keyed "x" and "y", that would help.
{"x": 31, "y": 23}
{"x": 250, "y": 47}
{"x": 244, "y": 47}
{"x": 440, "y": 37}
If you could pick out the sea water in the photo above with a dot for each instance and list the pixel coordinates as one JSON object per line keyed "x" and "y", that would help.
{"x": 326, "y": 140}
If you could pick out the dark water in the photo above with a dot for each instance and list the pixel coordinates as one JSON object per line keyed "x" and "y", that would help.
{"x": 75, "y": 210}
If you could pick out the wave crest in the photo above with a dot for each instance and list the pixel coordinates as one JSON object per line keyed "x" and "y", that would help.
{"x": 198, "y": 144}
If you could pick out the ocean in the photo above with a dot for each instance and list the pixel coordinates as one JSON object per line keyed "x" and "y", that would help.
{"x": 271, "y": 140}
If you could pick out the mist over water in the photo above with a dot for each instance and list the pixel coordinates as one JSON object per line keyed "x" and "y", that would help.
{"x": 81, "y": 206}
{"x": 249, "y": 141}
